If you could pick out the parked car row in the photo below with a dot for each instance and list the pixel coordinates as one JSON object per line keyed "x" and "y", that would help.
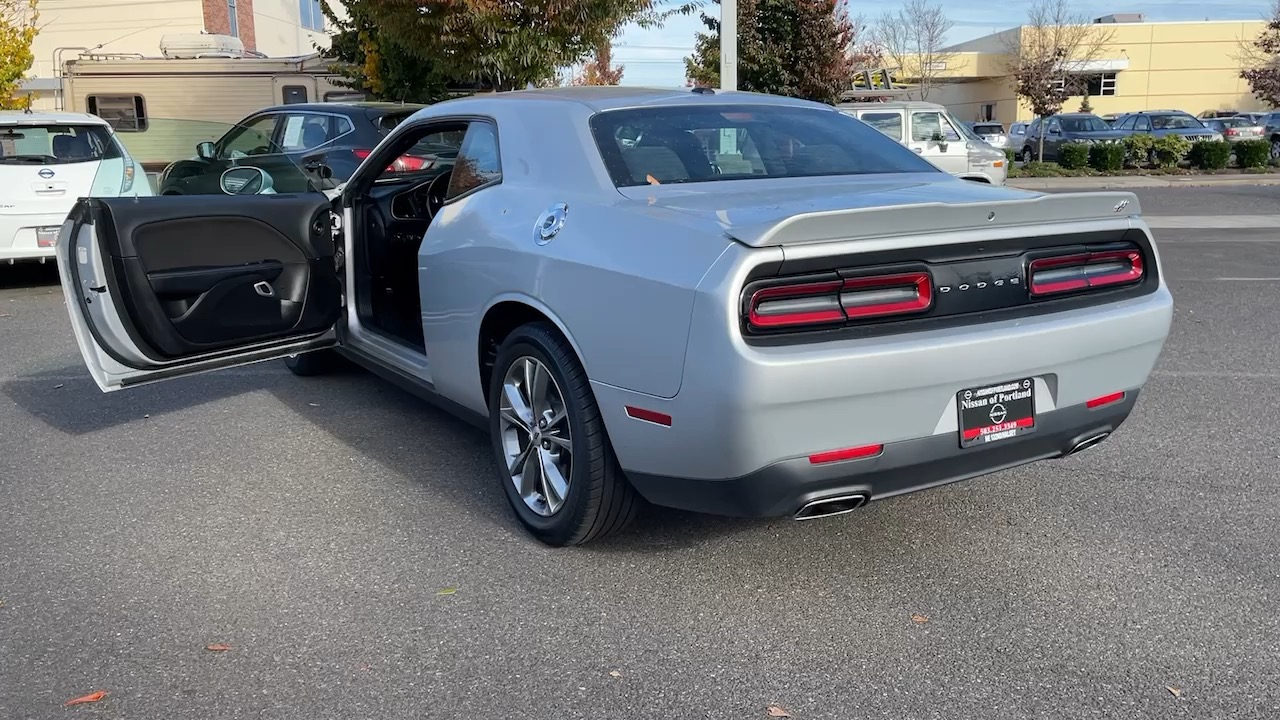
{"x": 1063, "y": 128}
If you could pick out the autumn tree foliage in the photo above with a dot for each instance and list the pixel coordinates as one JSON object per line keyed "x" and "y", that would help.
{"x": 1262, "y": 61}
{"x": 373, "y": 65}
{"x": 599, "y": 70}
{"x": 505, "y": 44}
{"x": 17, "y": 31}
{"x": 799, "y": 48}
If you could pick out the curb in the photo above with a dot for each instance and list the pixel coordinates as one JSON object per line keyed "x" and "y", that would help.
{"x": 1143, "y": 181}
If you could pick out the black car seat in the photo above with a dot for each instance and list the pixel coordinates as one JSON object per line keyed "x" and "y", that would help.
{"x": 71, "y": 147}
{"x": 314, "y": 135}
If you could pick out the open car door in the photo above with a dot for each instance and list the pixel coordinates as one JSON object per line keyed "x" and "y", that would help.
{"x": 176, "y": 284}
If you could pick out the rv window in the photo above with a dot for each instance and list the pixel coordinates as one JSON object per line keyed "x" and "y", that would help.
{"x": 124, "y": 113}
{"x": 343, "y": 96}
{"x": 293, "y": 94}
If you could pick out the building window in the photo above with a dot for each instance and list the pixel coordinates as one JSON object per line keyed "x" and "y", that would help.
{"x": 1104, "y": 84}
{"x": 311, "y": 15}
{"x": 124, "y": 113}
{"x": 233, "y": 21}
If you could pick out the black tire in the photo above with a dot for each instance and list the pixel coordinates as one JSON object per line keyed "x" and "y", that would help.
{"x": 316, "y": 362}
{"x": 1027, "y": 156}
{"x": 600, "y": 501}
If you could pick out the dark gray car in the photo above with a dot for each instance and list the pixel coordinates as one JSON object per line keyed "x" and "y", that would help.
{"x": 1166, "y": 122}
{"x": 1065, "y": 128}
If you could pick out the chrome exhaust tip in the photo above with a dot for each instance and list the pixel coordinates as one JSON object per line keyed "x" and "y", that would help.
{"x": 1087, "y": 443}
{"x": 831, "y": 506}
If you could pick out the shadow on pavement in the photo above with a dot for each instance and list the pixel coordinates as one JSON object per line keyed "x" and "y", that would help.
{"x": 28, "y": 275}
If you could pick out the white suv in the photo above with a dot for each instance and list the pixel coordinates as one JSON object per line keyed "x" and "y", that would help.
{"x": 47, "y": 162}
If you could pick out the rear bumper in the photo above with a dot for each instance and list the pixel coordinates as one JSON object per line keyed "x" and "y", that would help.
{"x": 18, "y": 236}
{"x": 902, "y": 467}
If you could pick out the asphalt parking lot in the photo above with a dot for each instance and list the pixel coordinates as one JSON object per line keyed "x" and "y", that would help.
{"x": 351, "y": 546}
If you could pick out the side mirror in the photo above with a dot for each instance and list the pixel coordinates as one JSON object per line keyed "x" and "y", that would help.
{"x": 1055, "y": 131}
{"x": 206, "y": 150}
{"x": 246, "y": 180}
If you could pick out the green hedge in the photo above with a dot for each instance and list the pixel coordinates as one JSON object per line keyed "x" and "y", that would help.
{"x": 1170, "y": 150}
{"x": 1107, "y": 157}
{"x": 1210, "y": 154}
{"x": 1010, "y": 155}
{"x": 1253, "y": 153}
{"x": 1138, "y": 149}
{"x": 1073, "y": 156}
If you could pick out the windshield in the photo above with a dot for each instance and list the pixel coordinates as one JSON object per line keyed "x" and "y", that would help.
{"x": 732, "y": 142}
{"x": 55, "y": 144}
{"x": 1083, "y": 124}
{"x": 1175, "y": 122}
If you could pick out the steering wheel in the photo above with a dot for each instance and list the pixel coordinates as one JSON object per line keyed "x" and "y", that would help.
{"x": 436, "y": 192}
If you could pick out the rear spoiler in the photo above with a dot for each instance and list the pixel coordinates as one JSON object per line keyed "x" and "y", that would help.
{"x": 935, "y": 217}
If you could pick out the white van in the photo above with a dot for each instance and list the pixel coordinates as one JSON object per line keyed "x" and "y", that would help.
{"x": 47, "y": 162}
{"x": 937, "y": 136}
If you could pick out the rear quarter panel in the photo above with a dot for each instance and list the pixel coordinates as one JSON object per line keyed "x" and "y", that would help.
{"x": 618, "y": 279}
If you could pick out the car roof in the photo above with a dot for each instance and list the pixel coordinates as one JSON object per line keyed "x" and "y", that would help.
{"x": 22, "y": 117}
{"x": 613, "y": 97}
{"x": 891, "y": 105}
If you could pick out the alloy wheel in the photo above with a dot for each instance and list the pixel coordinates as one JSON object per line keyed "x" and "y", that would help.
{"x": 535, "y": 435}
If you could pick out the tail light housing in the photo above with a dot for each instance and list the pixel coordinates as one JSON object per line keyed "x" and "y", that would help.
{"x": 1065, "y": 274}
{"x": 815, "y": 302}
{"x": 1231, "y": 132}
{"x": 402, "y": 164}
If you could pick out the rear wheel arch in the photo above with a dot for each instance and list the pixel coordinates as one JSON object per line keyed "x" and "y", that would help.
{"x": 500, "y": 320}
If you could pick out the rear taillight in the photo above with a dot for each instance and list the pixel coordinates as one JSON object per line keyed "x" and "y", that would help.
{"x": 1084, "y": 271}
{"x": 404, "y": 163}
{"x": 808, "y": 303}
{"x": 1231, "y": 132}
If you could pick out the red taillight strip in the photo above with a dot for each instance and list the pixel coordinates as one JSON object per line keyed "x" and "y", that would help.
{"x": 652, "y": 416}
{"x": 853, "y": 453}
{"x": 1060, "y": 278}
{"x": 1104, "y": 400}
{"x": 922, "y": 301}
{"x": 843, "y": 295}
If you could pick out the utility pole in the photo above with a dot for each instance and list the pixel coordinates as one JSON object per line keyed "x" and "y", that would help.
{"x": 728, "y": 44}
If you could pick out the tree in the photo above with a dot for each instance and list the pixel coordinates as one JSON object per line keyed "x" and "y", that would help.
{"x": 1261, "y": 60}
{"x": 599, "y": 70}
{"x": 799, "y": 48}
{"x": 1045, "y": 55}
{"x": 913, "y": 40}
{"x": 1085, "y": 107}
{"x": 376, "y": 67}
{"x": 17, "y": 31}
{"x": 507, "y": 44}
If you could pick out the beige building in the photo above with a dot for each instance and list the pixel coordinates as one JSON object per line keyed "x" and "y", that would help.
{"x": 69, "y": 28}
{"x": 1191, "y": 66}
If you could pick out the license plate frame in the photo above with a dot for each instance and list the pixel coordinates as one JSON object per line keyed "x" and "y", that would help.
{"x": 996, "y": 413}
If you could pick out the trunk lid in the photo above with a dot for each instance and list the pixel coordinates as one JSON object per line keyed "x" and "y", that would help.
{"x": 761, "y": 213}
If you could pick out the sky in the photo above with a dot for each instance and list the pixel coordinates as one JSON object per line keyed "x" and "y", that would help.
{"x": 653, "y": 57}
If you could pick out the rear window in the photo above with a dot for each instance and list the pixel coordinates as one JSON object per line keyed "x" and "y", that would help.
{"x": 983, "y": 129}
{"x": 733, "y": 142}
{"x": 55, "y": 144}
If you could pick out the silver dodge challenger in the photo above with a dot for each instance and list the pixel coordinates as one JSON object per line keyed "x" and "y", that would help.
{"x": 723, "y": 302}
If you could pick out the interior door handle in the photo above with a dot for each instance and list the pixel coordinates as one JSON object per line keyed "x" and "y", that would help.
{"x": 263, "y": 288}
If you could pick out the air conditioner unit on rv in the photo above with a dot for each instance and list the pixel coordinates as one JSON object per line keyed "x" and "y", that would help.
{"x": 186, "y": 47}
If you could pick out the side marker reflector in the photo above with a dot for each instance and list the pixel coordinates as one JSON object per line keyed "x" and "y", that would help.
{"x": 649, "y": 416}
{"x": 854, "y": 453}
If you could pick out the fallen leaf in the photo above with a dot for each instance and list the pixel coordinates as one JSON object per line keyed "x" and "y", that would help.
{"x": 217, "y": 647}
{"x": 447, "y": 591}
{"x": 58, "y": 386}
{"x": 90, "y": 698}
{"x": 1173, "y": 691}
{"x": 614, "y": 673}
{"x": 919, "y": 619}
{"x": 776, "y": 711}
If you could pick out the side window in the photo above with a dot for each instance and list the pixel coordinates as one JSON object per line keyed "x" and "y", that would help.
{"x": 1126, "y": 124}
{"x": 1142, "y": 124}
{"x": 928, "y": 125}
{"x": 889, "y": 123}
{"x": 304, "y": 131}
{"x": 478, "y": 163}
{"x": 251, "y": 138}
{"x": 1054, "y": 125}
{"x": 125, "y": 113}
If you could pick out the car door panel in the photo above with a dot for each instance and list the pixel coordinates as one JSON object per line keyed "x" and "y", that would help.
{"x": 201, "y": 282}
